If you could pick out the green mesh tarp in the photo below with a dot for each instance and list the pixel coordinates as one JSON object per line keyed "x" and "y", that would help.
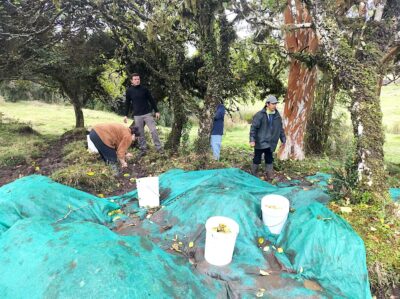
{"x": 79, "y": 256}
{"x": 38, "y": 196}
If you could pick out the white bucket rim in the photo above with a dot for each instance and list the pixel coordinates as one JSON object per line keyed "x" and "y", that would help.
{"x": 232, "y": 224}
{"x": 275, "y": 199}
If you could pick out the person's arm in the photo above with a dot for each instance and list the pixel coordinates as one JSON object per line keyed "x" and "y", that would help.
{"x": 151, "y": 101}
{"x": 282, "y": 136}
{"x": 255, "y": 125}
{"x": 122, "y": 149}
{"x": 128, "y": 102}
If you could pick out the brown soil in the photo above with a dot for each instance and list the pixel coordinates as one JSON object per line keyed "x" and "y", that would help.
{"x": 52, "y": 160}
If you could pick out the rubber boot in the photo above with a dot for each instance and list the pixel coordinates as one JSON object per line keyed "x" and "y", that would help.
{"x": 269, "y": 173}
{"x": 254, "y": 169}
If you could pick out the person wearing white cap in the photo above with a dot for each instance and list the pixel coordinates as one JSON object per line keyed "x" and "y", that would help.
{"x": 266, "y": 129}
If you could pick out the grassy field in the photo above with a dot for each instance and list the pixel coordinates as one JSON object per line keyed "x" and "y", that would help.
{"x": 51, "y": 119}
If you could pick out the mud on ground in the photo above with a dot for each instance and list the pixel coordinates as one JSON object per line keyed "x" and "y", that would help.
{"x": 52, "y": 160}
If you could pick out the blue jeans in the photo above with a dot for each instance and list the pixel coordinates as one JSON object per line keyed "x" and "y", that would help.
{"x": 216, "y": 141}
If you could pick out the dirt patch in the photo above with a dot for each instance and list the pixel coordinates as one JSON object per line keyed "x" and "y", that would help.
{"x": 52, "y": 160}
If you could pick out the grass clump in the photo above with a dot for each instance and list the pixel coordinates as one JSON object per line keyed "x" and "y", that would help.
{"x": 380, "y": 231}
{"x": 98, "y": 177}
{"x": 76, "y": 152}
{"x": 19, "y": 143}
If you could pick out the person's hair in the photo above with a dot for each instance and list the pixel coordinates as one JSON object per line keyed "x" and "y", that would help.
{"x": 135, "y": 75}
{"x": 134, "y": 131}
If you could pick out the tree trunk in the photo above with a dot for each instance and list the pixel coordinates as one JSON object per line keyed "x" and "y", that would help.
{"x": 319, "y": 121}
{"x": 360, "y": 80}
{"x": 366, "y": 116}
{"x": 79, "y": 120}
{"x": 206, "y": 117}
{"x": 179, "y": 121}
{"x": 301, "y": 82}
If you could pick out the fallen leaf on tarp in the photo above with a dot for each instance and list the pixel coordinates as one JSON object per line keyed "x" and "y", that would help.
{"x": 175, "y": 246}
{"x": 165, "y": 228}
{"x": 116, "y": 218}
{"x": 100, "y": 195}
{"x": 306, "y": 188}
{"x": 118, "y": 211}
{"x": 191, "y": 244}
{"x": 260, "y": 240}
{"x": 260, "y": 293}
{"x": 90, "y": 173}
{"x": 264, "y": 273}
{"x": 280, "y": 250}
{"x": 319, "y": 217}
{"x": 312, "y": 285}
{"x": 345, "y": 209}
{"x": 266, "y": 248}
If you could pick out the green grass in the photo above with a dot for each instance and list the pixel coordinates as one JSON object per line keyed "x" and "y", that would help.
{"x": 53, "y": 119}
{"x": 56, "y": 119}
{"x": 17, "y": 148}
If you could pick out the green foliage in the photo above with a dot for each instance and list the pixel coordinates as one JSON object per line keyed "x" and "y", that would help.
{"x": 22, "y": 90}
{"x": 112, "y": 79}
{"x": 345, "y": 184}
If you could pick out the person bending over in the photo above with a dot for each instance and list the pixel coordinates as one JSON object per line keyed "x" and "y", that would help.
{"x": 112, "y": 141}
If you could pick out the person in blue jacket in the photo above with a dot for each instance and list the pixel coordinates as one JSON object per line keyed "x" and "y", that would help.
{"x": 217, "y": 131}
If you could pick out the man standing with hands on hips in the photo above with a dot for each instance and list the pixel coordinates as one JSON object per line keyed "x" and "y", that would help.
{"x": 142, "y": 104}
{"x": 266, "y": 129}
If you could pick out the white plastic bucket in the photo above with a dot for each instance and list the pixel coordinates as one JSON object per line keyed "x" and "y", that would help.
{"x": 220, "y": 245}
{"x": 91, "y": 147}
{"x": 148, "y": 192}
{"x": 275, "y": 210}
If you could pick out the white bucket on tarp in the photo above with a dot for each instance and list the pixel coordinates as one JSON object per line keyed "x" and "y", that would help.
{"x": 220, "y": 245}
{"x": 275, "y": 210}
{"x": 91, "y": 147}
{"x": 148, "y": 192}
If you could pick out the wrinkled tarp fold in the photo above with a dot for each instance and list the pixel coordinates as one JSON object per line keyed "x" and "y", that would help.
{"x": 79, "y": 256}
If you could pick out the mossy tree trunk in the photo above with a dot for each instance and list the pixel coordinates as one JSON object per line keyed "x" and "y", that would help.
{"x": 179, "y": 118}
{"x": 360, "y": 79}
{"x": 216, "y": 35}
{"x": 206, "y": 119}
{"x": 301, "y": 81}
{"x": 320, "y": 119}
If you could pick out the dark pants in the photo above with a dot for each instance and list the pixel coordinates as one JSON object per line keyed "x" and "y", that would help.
{"x": 267, "y": 156}
{"x": 108, "y": 154}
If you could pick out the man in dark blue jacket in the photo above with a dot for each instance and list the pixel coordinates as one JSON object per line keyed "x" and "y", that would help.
{"x": 266, "y": 129}
{"x": 142, "y": 104}
{"x": 217, "y": 131}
